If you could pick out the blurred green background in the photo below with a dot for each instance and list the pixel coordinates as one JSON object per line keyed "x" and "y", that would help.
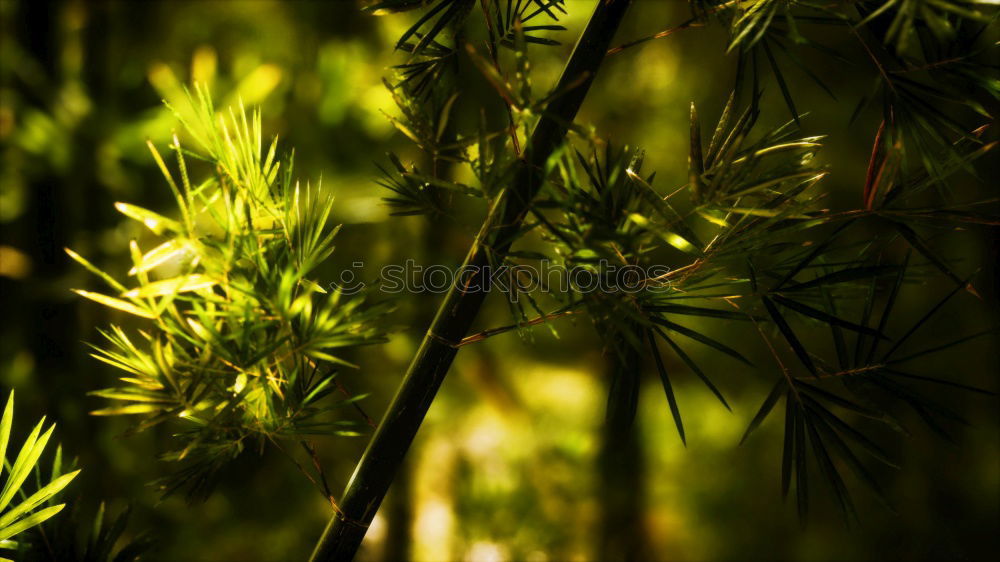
{"x": 505, "y": 467}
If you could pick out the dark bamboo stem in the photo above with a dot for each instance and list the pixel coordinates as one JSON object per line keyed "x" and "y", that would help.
{"x": 392, "y": 439}
{"x": 620, "y": 463}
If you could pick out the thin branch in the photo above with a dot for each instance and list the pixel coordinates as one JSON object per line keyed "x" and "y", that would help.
{"x": 533, "y": 322}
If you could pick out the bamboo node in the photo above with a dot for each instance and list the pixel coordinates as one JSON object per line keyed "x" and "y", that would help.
{"x": 443, "y": 340}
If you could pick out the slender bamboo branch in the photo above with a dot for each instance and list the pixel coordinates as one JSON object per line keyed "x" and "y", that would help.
{"x": 476, "y": 338}
{"x": 392, "y": 439}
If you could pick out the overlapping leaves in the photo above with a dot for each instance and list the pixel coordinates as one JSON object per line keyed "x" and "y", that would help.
{"x": 240, "y": 345}
{"x": 21, "y": 510}
{"x": 752, "y": 243}
{"x": 825, "y": 407}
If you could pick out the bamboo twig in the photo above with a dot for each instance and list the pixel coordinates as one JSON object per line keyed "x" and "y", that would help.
{"x": 475, "y": 338}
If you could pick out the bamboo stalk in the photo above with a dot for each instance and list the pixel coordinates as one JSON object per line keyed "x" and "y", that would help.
{"x": 392, "y": 439}
{"x": 621, "y": 534}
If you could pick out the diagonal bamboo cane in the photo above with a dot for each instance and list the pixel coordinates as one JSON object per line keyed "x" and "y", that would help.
{"x": 392, "y": 439}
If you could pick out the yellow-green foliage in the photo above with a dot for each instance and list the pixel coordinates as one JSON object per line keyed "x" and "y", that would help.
{"x": 239, "y": 341}
{"x": 33, "y": 509}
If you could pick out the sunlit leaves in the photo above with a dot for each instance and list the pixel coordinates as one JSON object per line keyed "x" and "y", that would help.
{"x": 153, "y": 221}
{"x": 240, "y": 342}
{"x": 609, "y": 212}
{"x": 31, "y": 509}
{"x": 119, "y": 304}
{"x": 737, "y": 167}
{"x": 749, "y": 186}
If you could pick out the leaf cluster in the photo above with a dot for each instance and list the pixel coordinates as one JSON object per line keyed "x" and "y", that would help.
{"x": 240, "y": 344}
{"x": 753, "y": 239}
{"x": 19, "y": 509}
{"x": 106, "y": 539}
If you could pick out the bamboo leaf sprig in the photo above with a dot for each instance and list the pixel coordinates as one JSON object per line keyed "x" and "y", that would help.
{"x": 240, "y": 344}
{"x": 21, "y": 510}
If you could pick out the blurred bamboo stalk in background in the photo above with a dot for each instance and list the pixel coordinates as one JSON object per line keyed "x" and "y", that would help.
{"x": 620, "y": 461}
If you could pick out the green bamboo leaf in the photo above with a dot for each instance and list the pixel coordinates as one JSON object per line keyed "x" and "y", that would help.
{"x": 119, "y": 304}
{"x": 954, "y": 165}
{"x": 875, "y": 13}
{"x": 696, "y": 160}
{"x": 5, "y": 426}
{"x": 839, "y": 342}
{"x": 789, "y": 334}
{"x": 130, "y": 409}
{"x": 942, "y": 347}
{"x": 925, "y": 250}
{"x": 698, "y": 311}
{"x": 30, "y": 521}
{"x": 923, "y": 407}
{"x": 856, "y": 436}
{"x": 454, "y": 8}
{"x": 812, "y": 255}
{"x": 869, "y": 305}
{"x": 317, "y": 354}
{"x": 927, "y": 316}
{"x": 806, "y": 176}
{"x": 889, "y": 305}
{"x": 667, "y": 387}
{"x": 788, "y": 444}
{"x": 823, "y": 316}
{"x": 941, "y": 382}
{"x": 779, "y": 77}
{"x": 93, "y": 269}
{"x": 770, "y": 213}
{"x": 153, "y": 221}
{"x": 843, "y": 276}
{"x": 801, "y": 466}
{"x": 827, "y": 467}
{"x": 159, "y": 255}
{"x": 181, "y": 201}
{"x": 129, "y": 395}
{"x": 701, "y": 338}
{"x": 846, "y": 454}
{"x": 186, "y": 283}
{"x": 26, "y": 459}
{"x": 694, "y": 367}
{"x": 816, "y": 79}
{"x": 689, "y": 241}
{"x": 807, "y": 388}
{"x": 34, "y": 500}
{"x": 720, "y": 130}
{"x": 765, "y": 408}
